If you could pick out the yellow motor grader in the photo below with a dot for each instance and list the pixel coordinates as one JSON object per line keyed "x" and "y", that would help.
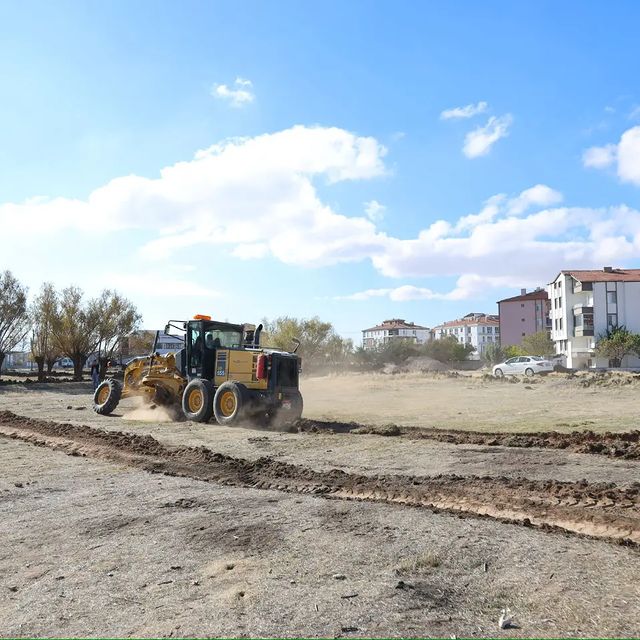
{"x": 221, "y": 371}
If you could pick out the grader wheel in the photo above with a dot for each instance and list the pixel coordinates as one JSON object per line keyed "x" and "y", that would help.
{"x": 107, "y": 396}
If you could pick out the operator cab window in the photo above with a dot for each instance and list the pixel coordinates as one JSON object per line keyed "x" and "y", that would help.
{"x": 196, "y": 348}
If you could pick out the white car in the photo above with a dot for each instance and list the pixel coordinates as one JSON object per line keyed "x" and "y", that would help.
{"x": 527, "y": 365}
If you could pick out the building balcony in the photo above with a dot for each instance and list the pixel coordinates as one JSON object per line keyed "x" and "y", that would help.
{"x": 579, "y": 309}
{"x": 579, "y": 287}
{"x": 581, "y": 332}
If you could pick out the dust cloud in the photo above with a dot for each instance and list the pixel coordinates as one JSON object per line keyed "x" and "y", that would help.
{"x": 143, "y": 411}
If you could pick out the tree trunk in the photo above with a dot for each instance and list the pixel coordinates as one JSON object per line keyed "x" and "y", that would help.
{"x": 102, "y": 372}
{"x": 1, "y": 359}
{"x": 50, "y": 364}
{"x": 40, "y": 362}
{"x": 78, "y": 363}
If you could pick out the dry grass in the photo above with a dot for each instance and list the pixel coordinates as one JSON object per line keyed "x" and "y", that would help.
{"x": 555, "y": 402}
{"x": 426, "y": 560}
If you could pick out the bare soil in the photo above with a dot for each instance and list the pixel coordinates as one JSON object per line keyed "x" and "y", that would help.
{"x": 136, "y": 525}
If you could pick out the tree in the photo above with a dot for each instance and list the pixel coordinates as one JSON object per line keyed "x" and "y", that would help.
{"x": 75, "y": 328}
{"x": 493, "y": 354}
{"x": 319, "y": 342}
{"x": 448, "y": 349}
{"x": 616, "y": 343}
{"x": 513, "y": 351}
{"x": 118, "y": 317}
{"x": 538, "y": 344}
{"x": 80, "y": 328}
{"x": 14, "y": 316}
{"x": 43, "y": 311}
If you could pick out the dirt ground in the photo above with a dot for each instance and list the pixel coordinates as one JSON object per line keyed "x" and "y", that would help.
{"x": 100, "y": 541}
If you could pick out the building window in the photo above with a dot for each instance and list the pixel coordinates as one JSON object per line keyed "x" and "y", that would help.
{"x": 560, "y": 324}
{"x": 522, "y": 319}
{"x": 612, "y": 297}
{"x": 612, "y": 320}
{"x": 522, "y": 304}
{"x": 523, "y": 334}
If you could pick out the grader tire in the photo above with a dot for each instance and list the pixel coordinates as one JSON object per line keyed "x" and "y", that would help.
{"x": 231, "y": 403}
{"x": 197, "y": 400}
{"x": 107, "y": 396}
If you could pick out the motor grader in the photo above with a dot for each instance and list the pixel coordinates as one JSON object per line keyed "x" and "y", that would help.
{"x": 221, "y": 371}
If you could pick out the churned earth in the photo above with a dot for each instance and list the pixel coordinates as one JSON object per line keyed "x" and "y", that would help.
{"x": 133, "y": 525}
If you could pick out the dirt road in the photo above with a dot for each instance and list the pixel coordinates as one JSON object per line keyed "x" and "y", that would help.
{"x": 423, "y": 527}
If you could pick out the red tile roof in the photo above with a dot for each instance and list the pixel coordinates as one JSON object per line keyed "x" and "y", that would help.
{"x": 396, "y": 323}
{"x": 488, "y": 320}
{"x": 532, "y": 295}
{"x": 600, "y": 275}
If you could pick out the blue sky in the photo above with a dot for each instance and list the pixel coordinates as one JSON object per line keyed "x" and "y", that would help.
{"x": 318, "y": 111}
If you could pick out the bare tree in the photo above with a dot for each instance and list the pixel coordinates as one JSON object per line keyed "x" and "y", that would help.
{"x": 75, "y": 328}
{"x": 118, "y": 317}
{"x": 43, "y": 313}
{"x": 14, "y": 318}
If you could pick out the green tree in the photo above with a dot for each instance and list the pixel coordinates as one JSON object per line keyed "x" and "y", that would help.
{"x": 448, "y": 349}
{"x": 493, "y": 354}
{"x": 319, "y": 344}
{"x": 43, "y": 311}
{"x": 538, "y": 344}
{"x": 14, "y": 316}
{"x": 616, "y": 343}
{"x": 513, "y": 351}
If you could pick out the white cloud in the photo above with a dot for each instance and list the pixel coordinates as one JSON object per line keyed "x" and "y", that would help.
{"x": 629, "y": 156}
{"x": 538, "y": 196}
{"x": 634, "y": 113}
{"x": 464, "y": 112}
{"x": 153, "y": 284}
{"x": 374, "y": 210}
{"x": 599, "y": 157}
{"x": 479, "y": 141}
{"x": 626, "y": 154}
{"x": 239, "y": 95}
{"x": 257, "y": 198}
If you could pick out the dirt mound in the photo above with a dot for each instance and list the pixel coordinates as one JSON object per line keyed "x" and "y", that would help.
{"x": 625, "y": 445}
{"x": 598, "y": 510}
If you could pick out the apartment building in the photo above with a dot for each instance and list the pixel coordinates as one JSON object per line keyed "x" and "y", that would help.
{"x": 394, "y": 329}
{"x": 477, "y": 329}
{"x": 585, "y": 305}
{"x": 523, "y": 315}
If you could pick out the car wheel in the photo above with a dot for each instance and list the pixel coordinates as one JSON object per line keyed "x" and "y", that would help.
{"x": 498, "y": 373}
{"x": 529, "y": 372}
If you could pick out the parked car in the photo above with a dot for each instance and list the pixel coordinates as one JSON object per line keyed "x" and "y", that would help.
{"x": 527, "y": 365}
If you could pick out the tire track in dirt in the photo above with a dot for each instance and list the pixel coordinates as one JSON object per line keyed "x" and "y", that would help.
{"x": 624, "y": 445}
{"x": 599, "y": 510}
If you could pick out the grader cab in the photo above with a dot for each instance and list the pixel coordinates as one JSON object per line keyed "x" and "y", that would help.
{"x": 221, "y": 371}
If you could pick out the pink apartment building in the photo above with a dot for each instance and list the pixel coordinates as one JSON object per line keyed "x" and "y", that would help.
{"x": 523, "y": 315}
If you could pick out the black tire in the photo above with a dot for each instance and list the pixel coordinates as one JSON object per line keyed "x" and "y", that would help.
{"x": 197, "y": 400}
{"x": 231, "y": 403}
{"x": 107, "y": 396}
{"x": 529, "y": 372}
{"x": 498, "y": 373}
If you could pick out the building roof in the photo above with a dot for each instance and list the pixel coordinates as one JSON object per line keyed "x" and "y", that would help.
{"x": 488, "y": 320}
{"x": 602, "y": 275}
{"x": 540, "y": 294}
{"x": 396, "y": 323}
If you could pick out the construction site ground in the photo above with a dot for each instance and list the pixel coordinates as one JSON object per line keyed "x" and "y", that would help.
{"x": 400, "y": 506}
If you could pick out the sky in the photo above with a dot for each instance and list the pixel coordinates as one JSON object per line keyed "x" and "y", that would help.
{"x": 357, "y": 161}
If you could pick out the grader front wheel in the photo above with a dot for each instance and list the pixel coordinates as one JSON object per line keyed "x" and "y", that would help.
{"x": 106, "y": 397}
{"x": 197, "y": 400}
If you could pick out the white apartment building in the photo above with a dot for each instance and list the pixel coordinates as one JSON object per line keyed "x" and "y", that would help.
{"x": 476, "y": 329}
{"x": 394, "y": 329}
{"x": 585, "y": 305}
